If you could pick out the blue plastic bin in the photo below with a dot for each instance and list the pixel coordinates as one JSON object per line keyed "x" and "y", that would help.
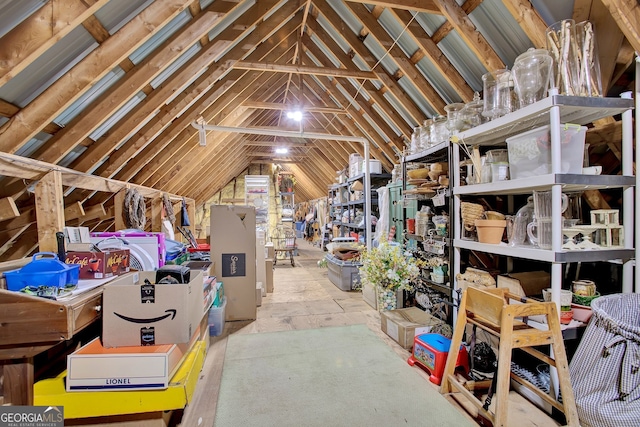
{"x": 43, "y": 272}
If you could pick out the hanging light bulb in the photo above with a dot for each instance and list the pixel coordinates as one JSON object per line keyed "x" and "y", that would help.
{"x": 295, "y": 115}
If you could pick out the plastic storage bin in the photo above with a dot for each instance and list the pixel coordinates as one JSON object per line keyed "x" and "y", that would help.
{"x": 530, "y": 152}
{"x": 344, "y": 274}
{"x": 216, "y": 318}
{"x": 50, "y": 272}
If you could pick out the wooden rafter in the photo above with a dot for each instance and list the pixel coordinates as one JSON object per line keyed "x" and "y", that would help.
{"x": 32, "y": 119}
{"x": 297, "y": 69}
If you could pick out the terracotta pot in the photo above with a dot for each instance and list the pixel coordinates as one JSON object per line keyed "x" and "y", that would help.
{"x": 490, "y": 230}
{"x": 566, "y": 316}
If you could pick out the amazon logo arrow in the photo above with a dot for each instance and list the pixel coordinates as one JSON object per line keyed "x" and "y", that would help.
{"x": 170, "y": 312}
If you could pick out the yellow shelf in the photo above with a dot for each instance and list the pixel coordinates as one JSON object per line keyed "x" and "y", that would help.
{"x": 81, "y": 404}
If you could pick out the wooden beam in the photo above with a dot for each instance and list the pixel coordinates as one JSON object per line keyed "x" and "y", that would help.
{"x": 427, "y": 6}
{"x": 79, "y": 128}
{"x": 41, "y": 30}
{"x": 408, "y": 69}
{"x": 529, "y": 20}
{"x": 49, "y": 210}
{"x": 278, "y": 142}
{"x": 72, "y": 85}
{"x": 156, "y": 101}
{"x": 470, "y": 34}
{"x": 180, "y": 147}
{"x": 284, "y": 107}
{"x": 322, "y": 7}
{"x": 270, "y": 162}
{"x": 8, "y": 209}
{"x": 609, "y": 41}
{"x": 626, "y": 13}
{"x": 73, "y": 211}
{"x": 297, "y": 69}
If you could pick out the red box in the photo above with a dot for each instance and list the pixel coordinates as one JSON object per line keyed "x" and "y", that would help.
{"x": 430, "y": 352}
{"x": 202, "y": 247}
{"x": 100, "y": 265}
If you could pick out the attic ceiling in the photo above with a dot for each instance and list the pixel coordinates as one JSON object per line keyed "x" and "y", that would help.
{"x": 111, "y": 87}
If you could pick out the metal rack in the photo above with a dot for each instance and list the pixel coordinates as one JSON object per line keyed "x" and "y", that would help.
{"x": 435, "y": 245}
{"x": 552, "y": 111}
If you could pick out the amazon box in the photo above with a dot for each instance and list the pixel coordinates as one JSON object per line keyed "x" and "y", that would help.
{"x": 137, "y": 313}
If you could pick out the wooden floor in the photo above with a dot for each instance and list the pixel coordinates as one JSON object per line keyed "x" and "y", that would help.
{"x": 304, "y": 298}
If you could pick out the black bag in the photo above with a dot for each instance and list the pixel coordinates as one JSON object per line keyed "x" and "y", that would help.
{"x": 184, "y": 215}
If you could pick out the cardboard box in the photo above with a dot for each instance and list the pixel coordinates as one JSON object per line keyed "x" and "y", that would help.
{"x": 269, "y": 275}
{"x": 269, "y": 250}
{"x": 258, "y": 294}
{"x": 96, "y": 368}
{"x": 233, "y": 250}
{"x": 100, "y": 265}
{"x": 261, "y": 273}
{"x": 404, "y": 324}
{"x": 525, "y": 284}
{"x": 135, "y": 313}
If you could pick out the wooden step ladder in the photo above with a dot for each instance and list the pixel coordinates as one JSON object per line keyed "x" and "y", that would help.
{"x": 497, "y": 311}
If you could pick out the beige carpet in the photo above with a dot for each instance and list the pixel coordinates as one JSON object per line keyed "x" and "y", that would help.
{"x": 335, "y": 376}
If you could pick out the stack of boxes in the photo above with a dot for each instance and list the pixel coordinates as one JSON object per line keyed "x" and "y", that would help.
{"x": 147, "y": 329}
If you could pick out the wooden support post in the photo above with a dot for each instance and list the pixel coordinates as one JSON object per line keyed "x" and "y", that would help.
{"x": 18, "y": 381}
{"x": 49, "y": 210}
{"x": 156, "y": 214}
{"x": 8, "y": 209}
{"x": 118, "y": 209}
{"x": 74, "y": 211}
{"x": 191, "y": 210}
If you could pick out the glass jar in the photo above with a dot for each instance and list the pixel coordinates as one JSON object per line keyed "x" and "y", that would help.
{"x": 472, "y": 113}
{"x": 454, "y": 117}
{"x": 531, "y": 76}
{"x": 439, "y": 131}
{"x": 415, "y": 141}
{"x": 497, "y": 93}
{"x": 425, "y": 134}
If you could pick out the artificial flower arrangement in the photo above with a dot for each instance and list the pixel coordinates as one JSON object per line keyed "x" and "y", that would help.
{"x": 388, "y": 270}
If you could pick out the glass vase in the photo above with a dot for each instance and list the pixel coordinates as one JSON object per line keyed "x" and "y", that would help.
{"x": 387, "y": 300}
{"x": 562, "y": 44}
{"x": 589, "y": 78}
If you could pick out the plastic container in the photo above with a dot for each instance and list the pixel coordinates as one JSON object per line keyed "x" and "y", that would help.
{"x": 50, "y": 272}
{"x": 344, "y": 274}
{"x": 530, "y": 152}
{"x": 216, "y": 318}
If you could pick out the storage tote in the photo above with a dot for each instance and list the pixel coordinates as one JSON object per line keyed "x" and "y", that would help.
{"x": 216, "y": 318}
{"x": 605, "y": 370}
{"x": 530, "y": 152}
{"x": 45, "y": 269}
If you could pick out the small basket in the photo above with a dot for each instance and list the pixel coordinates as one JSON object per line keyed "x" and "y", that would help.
{"x": 470, "y": 212}
{"x": 438, "y": 199}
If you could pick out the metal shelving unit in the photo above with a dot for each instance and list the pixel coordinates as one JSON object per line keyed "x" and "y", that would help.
{"x": 552, "y": 111}
{"x": 337, "y": 191}
{"x": 437, "y": 153}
